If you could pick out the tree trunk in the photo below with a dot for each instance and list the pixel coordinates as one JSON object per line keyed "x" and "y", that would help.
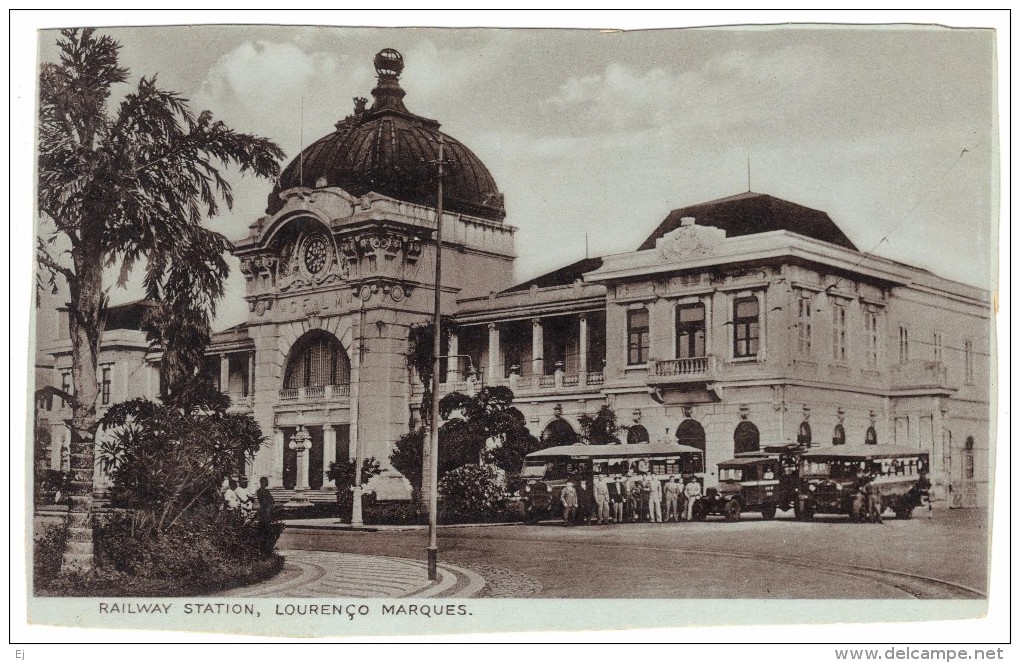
{"x": 85, "y": 317}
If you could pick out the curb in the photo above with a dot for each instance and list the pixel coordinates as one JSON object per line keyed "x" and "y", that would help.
{"x": 344, "y": 527}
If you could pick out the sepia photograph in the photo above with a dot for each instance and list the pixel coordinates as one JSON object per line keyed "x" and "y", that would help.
{"x": 340, "y": 328}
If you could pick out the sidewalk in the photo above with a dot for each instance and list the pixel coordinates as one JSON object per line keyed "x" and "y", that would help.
{"x": 322, "y": 574}
{"x": 341, "y": 526}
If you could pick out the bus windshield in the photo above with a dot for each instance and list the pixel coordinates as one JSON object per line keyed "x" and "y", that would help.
{"x": 533, "y": 470}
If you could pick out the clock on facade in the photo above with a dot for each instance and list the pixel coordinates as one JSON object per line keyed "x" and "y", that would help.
{"x": 315, "y": 254}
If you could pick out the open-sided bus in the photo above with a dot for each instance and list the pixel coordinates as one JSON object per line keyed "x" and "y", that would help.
{"x": 546, "y": 472}
{"x": 762, "y": 481}
{"x": 833, "y": 480}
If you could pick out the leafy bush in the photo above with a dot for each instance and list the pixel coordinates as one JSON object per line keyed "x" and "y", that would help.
{"x": 473, "y": 492}
{"x": 205, "y": 551}
{"x": 47, "y": 553}
{"x": 51, "y": 486}
{"x": 600, "y": 429}
{"x": 342, "y": 472}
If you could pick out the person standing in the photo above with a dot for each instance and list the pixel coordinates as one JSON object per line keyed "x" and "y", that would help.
{"x": 630, "y": 491}
{"x": 873, "y": 501}
{"x": 265, "y": 524}
{"x": 585, "y": 503}
{"x": 244, "y": 496}
{"x": 231, "y": 501}
{"x": 671, "y": 494}
{"x": 654, "y": 499}
{"x": 602, "y": 500}
{"x": 568, "y": 497}
{"x": 616, "y": 500}
{"x": 692, "y": 493}
{"x": 645, "y": 486}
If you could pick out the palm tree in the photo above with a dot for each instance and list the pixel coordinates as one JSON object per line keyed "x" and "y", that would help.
{"x": 126, "y": 187}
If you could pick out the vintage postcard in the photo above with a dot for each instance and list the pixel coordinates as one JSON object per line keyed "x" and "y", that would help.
{"x": 364, "y": 331}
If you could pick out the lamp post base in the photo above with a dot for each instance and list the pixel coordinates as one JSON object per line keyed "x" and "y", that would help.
{"x": 433, "y": 562}
{"x": 357, "y": 519}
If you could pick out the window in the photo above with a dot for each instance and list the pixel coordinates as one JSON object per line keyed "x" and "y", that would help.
{"x": 637, "y": 336}
{"x": 65, "y": 386}
{"x": 104, "y": 385}
{"x": 838, "y": 435}
{"x": 745, "y": 327}
{"x": 936, "y": 346}
{"x": 968, "y": 362}
{"x": 871, "y": 333}
{"x": 690, "y": 331}
{"x": 904, "y": 345}
{"x": 871, "y": 436}
{"x": 968, "y": 458}
{"x": 804, "y": 326}
{"x": 839, "y": 332}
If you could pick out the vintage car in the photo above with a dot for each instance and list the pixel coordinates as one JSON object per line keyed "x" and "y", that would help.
{"x": 835, "y": 480}
{"x": 546, "y": 472}
{"x": 759, "y": 481}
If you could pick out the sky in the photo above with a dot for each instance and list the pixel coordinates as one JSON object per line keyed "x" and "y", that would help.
{"x": 891, "y": 131}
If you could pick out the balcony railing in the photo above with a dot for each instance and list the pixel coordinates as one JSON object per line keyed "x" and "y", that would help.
{"x": 329, "y": 392}
{"x": 688, "y": 369}
{"x": 523, "y": 384}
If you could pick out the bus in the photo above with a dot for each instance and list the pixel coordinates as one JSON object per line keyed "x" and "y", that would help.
{"x": 546, "y": 472}
{"x": 833, "y": 480}
{"x": 763, "y": 481}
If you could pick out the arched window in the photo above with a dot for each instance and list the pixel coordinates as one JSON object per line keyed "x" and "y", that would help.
{"x": 968, "y": 458}
{"x": 317, "y": 359}
{"x": 871, "y": 436}
{"x": 838, "y": 435}
{"x": 745, "y": 438}
{"x": 558, "y": 433}
{"x": 691, "y": 433}
{"x": 804, "y": 434}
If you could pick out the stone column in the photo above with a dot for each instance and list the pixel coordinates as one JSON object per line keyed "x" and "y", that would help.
{"x": 582, "y": 350}
{"x": 276, "y": 475}
{"x": 251, "y": 377}
{"x": 302, "y": 470}
{"x": 452, "y": 361}
{"x": 224, "y": 373}
{"x": 495, "y": 360}
{"x": 537, "y": 348}
{"x": 328, "y": 450}
{"x": 709, "y": 326}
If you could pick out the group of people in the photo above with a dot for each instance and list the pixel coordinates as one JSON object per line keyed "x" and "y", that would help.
{"x": 644, "y": 498}
{"x": 238, "y": 497}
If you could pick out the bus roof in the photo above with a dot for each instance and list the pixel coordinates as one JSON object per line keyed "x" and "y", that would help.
{"x": 862, "y": 451}
{"x": 740, "y": 461}
{"x": 614, "y": 450}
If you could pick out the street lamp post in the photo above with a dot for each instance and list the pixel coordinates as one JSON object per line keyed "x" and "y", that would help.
{"x": 433, "y": 468}
{"x": 300, "y": 443}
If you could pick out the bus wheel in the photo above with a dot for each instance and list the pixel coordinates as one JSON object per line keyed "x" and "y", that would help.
{"x": 801, "y": 511}
{"x": 699, "y": 512}
{"x": 768, "y": 512}
{"x": 732, "y": 511}
{"x": 904, "y": 511}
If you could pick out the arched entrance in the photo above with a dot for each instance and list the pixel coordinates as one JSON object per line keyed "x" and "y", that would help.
{"x": 317, "y": 361}
{"x": 691, "y": 433}
{"x": 804, "y": 434}
{"x": 745, "y": 438}
{"x": 838, "y": 435}
{"x": 558, "y": 433}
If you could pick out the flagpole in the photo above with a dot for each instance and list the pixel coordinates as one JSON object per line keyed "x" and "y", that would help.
{"x": 433, "y": 468}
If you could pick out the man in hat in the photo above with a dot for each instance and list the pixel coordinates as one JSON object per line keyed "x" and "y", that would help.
{"x": 671, "y": 494}
{"x": 692, "y": 493}
{"x": 602, "y": 500}
{"x": 568, "y": 497}
{"x": 630, "y": 492}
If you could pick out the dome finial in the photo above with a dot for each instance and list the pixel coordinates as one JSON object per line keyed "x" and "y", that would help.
{"x": 389, "y": 63}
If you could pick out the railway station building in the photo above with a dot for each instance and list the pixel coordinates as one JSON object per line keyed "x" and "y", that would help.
{"x": 739, "y": 323}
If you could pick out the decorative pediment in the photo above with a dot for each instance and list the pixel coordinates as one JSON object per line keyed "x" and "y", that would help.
{"x": 689, "y": 241}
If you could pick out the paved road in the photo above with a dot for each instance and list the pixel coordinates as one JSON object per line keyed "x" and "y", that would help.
{"x": 826, "y": 558}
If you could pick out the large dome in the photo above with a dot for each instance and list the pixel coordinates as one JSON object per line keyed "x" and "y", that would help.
{"x": 393, "y": 152}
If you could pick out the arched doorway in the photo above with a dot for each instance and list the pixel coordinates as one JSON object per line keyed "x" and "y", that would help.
{"x": 559, "y": 433}
{"x": 804, "y": 434}
{"x": 317, "y": 360}
{"x": 746, "y": 438}
{"x": 838, "y": 435}
{"x": 871, "y": 436}
{"x": 691, "y": 433}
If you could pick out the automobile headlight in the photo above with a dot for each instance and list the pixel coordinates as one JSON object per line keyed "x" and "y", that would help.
{"x": 548, "y": 489}
{"x": 838, "y": 486}
{"x": 811, "y": 488}
{"x": 527, "y": 489}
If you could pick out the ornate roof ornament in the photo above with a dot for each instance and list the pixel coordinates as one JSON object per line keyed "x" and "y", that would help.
{"x": 689, "y": 241}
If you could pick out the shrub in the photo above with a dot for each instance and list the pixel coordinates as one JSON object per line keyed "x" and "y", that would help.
{"x": 473, "y": 492}
{"x": 342, "y": 472}
{"x": 205, "y": 551}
